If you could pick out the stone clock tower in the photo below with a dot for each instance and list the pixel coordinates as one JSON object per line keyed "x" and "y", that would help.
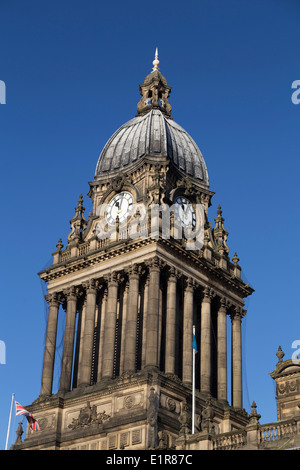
{"x": 132, "y": 283}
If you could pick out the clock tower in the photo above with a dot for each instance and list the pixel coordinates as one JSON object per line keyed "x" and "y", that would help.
{"x": 135, "y": 277}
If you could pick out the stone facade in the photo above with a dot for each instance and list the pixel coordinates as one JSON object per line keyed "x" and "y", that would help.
{"x": 130, "y": 303}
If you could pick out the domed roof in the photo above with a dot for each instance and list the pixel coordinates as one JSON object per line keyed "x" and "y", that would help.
{"x": 152, "y": 134}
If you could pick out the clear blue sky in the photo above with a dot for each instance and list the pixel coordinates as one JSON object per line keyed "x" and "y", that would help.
{"x": 72, "y": 71}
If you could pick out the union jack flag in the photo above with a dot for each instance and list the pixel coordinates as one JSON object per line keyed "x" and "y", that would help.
{"x": 34, "y": 425}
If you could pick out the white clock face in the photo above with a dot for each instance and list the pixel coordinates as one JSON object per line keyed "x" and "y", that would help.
{"x": 119, "y": 206}
{"x": 184, "y": 212}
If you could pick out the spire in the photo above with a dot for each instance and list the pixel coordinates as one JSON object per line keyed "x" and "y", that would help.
{"x": 154, "y": 91}
{"x": 220, "y": 233}
{"x": 78, "y": 222}
{"x": 156, "y": 61}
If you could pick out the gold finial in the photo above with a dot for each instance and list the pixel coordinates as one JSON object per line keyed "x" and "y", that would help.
{"x": 156, "y": 61}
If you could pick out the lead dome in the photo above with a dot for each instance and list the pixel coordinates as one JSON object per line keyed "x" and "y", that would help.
{"x": 153, "y": 133}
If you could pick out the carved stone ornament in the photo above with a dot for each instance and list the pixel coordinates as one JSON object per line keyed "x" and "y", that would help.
{"x": 119, "y": 181}
{"x": 290, "y": 386}
{"x": 78, "y": 222}
{"x": 19, "y": 433}
{"x": 220, "y": 234}
{"x": 185, "y": 420}
{"x": 207, "y": 416}
{"x": 186, "y": 185}
{"x": 87, "y": 416}
{"x": 280, "y": 354}
{"x": 47, "y": 422}
{"x": 254, "y": 416}
{"x": 156, "y": 192}
{"x": 171, "y": 404}
{"x": 129, "y": 402}
{"x": 162, "y": 440}
{"x": 152, "y": 412}
{"x": 152, "y": 409}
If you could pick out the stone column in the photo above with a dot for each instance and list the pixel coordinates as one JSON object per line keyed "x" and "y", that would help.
{"x": 88, "y": 334}
{"x": 69, "y": 334}
{"x": 123, "y": 333}
{"x": 80, "y": 335}
{"x": 152, "y": 359}
{"x": 145, "y": 312}
{"x": 102, "y": 333}
{"x": 131, "y": 321}
{"x": 188, "y": 309}
{"x": 171, "y": 323}
{"x": 222, "y": 351}
{"x": 50, "y": 344}
{"x": 237, "y": 393}
{"x": 110, "y": 327}
{"x": 205, "y": 367}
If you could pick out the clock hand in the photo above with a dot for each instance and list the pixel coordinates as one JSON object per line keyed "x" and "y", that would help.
{"x": 185, "y": 210}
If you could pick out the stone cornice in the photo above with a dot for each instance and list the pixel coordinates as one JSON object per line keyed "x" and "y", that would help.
{"x": 118, "y": 250}
{"x": 285, "y": 368}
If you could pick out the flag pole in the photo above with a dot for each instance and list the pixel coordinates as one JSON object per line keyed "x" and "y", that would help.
{"x": 193, "y": 386}
{"x": 9, "y": 421}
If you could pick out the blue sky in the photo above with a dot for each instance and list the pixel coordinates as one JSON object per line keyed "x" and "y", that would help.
{"x": 72, "y": 71}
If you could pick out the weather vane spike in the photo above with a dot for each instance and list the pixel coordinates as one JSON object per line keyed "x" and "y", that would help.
{"x": 156, "y": 61}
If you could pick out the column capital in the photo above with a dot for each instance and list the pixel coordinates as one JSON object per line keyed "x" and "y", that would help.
{"x": 173, "y": 274}
{"x": 237, "y": 313}
{"x": 71, "y": 293}
{"x": 155, "y": 264}
{"x": 190, "y": 284}
{"x": 91, "y": 286}
{"x": 134, "y": 270}
{"x": 224, "y": 304}
{"x": 113, "y": 278}
{"x": 208, "y": 294}
{"x": 54, "y": 299}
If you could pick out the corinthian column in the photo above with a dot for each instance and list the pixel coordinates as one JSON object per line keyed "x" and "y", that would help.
{"x": 188, "y": 308}
{"x": 205, "y": 367}
{"x": 222, "y": 351}
{"x": 49, "y": 354}
{"x": 145, "y": 311}
{"x": 237, "y": 393}
{"x": 123, "y": 332}
{"x": 152, "y": 359}
{"x": 131, "y": 321}
{"x": 171, "y": 323}
{"x": 68, "y": 347}
{"x": 102, "y": 334}
{"x": 88, "y": 333}
{"x": 110, "y": 327}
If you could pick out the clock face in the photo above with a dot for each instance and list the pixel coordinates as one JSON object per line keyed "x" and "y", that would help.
{"x": 119, "y": 206}
{"x": 184, "y": 212}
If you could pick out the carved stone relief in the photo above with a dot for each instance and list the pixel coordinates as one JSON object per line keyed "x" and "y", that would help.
{"x": 129, "y": 401}
{"x": 290, "y": 386}
{"x": 87, "y": 416}
{"x": 170, "y": 404}
{"x": 46, "y": 423}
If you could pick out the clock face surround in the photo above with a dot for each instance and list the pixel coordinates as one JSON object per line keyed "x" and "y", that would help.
{"x": 119, "y": 206}
{"x": 184, "y": 212}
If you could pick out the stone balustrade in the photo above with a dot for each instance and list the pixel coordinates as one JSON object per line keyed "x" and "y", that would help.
{"x": 277, "y": 435}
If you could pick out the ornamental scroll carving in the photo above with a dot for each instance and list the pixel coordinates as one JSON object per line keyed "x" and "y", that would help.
{"x": 288, "y": 387}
